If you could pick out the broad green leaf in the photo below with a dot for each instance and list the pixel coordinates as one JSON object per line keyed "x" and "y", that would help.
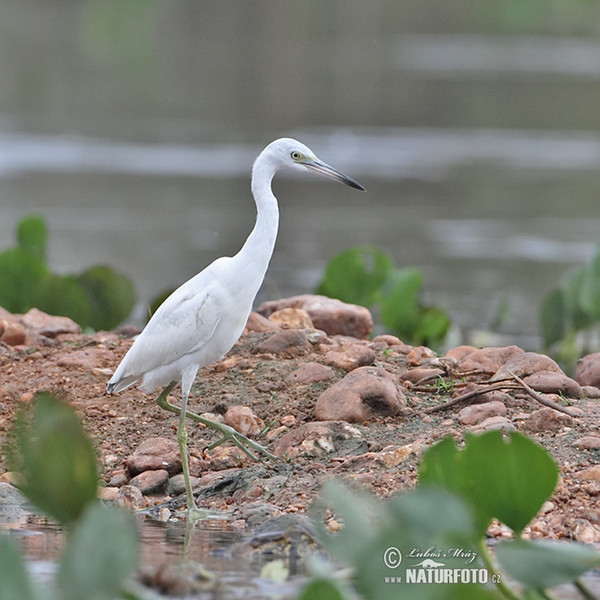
{"x": 380, "y": 540}
{"x": 433, "y": 326}
{"x": 553, "y": 318}
{"x": 14, "y": 579}
{"x": 32, "y": 236}
{"x": 495, "y": 476}
{"x": 110, "y": 294}
{"x": 56, "y": 457}
{"x": 101, "y": 554}
{"x": 356, "y": 275}
{"x": 543, "y": 563}
{"x": 20, "y": 274}
{"x": 576, "y": 314}
{"x": 589, "y": 292}
{"x": 322, "y": 589}
{"x": 400, "y": 309}
{"x": 63, "y": 295}
{"x": 356, "y": 508}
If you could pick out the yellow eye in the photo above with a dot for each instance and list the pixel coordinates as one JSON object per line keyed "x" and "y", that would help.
{"x": 296, "y": 155}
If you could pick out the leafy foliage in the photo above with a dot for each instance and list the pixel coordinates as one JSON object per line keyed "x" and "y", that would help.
{"x": 459, "y": 492}
{"x": 47, "y": 432}
{"x": 366, "y": 276}
{"x": 504, "y": 491}
{"x": 571, "y": 308}
{"x": 99, "y": 298}
{"x": 357, "y": 275}
{"x": 59, "y": 475}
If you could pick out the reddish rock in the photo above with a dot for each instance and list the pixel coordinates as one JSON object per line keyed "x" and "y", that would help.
{"x": 292, "y": 318}
{"x": 155, "y": 454}
{"x": 350, "y": 356}
{"x": 328, "y": 314}
{"x": 493, "y": 424}
{"x": 259, "y": 323}
{"x": 314, "y": 439}
{"x": 590, "y": 391}
{"x": 242, "y": 419}
{"x": 547, "y": 419}
{"x": 310, "y": 372}
{"x": 588, "y": 370}
{"x": 419, "y": 373}
{"x": 151, "y": 482}
{"x": 86, "y": 359}
{"x": 476, "y": 413}
{"x": 550, "y": 382}
{"x": 419, "y": 354}
{"x": 386, "y": 338}
{"x": 591, "y": 473}
{"x": 488, "y": 360}
{"x": 588, "y": 442}
{"x": 364, "y": 393}
{"x": 525, "y": 364}
{"x": 118, "y": 478}
{"x": 287, "y": 343}
{"x": 460, "y": 352}
{"x": 484, "y": 397}
{"x": 108, "y": 494}
{"x": 14, "y": 334}
{"x": 130, "y": 497}
{"x": 39, "y": 323}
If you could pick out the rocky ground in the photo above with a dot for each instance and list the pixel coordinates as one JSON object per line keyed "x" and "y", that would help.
{"x": 308, "y": 383}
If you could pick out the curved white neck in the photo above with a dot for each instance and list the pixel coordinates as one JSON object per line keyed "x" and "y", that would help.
{"x": 256, "y": 252}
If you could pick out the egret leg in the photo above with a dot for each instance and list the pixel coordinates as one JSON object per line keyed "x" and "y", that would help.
{"x": 194, "y": 513}
{"x": 228, "y": 433}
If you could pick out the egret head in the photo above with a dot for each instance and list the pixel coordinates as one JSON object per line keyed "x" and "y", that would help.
{"x": 287, "y": 152}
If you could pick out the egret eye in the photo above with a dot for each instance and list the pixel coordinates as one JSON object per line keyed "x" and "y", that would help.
{"x": 296, "y": 155}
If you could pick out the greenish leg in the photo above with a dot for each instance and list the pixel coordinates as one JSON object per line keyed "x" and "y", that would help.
{"x": 228, "y": 433}
{"x": 194, "y": 513}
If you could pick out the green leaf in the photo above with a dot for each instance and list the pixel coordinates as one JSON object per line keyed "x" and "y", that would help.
{"x": 63, "y": 295}
{"x": 20, "y": 274}
{"x": 494, "y": 476}
{"x": 356, "y": 508}
{"x": 14, "y": 579}
{"x": 589, "y": 291}
{"x": 55, "y": 457}
{"x": 400, "y": 309}
{"x": 356, "y": 275}
{"x": 543, "y": 563}
{"x": 433, "y": 326}
{"x": 322, "y": 589}
{"x": 100, "y": 555}
{"x": 32, "y": 236}
{"x": 423, "y": 519}
{"x": 553, "y": 318}
{"x": 110, "y": 294}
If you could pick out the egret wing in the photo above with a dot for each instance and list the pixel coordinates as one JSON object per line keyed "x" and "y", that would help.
{"x": 182, "y": 325}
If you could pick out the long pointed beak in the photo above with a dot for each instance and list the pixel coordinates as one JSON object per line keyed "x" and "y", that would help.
{"x": 320, "y": 167}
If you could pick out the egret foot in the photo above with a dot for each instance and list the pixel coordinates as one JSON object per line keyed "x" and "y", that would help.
{"x": 229, "y": 433}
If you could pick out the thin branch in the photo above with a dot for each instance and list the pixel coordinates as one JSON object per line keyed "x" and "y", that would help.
{"x": 484, "y": 389}
{"x": 539, "y": 398}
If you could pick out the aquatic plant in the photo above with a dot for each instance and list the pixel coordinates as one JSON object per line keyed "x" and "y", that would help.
{"x": 430, "y": 542}
{"x": 58, "y": 473}
{"x": 366, "y": 276}
{"x": 571, "y": 308}
{"x": 99, "y": 298}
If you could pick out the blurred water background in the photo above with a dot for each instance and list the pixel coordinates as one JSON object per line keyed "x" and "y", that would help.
{"x": 475, "y": 125}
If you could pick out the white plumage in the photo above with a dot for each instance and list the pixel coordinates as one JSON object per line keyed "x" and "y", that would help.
{"x": 201, "y": 320}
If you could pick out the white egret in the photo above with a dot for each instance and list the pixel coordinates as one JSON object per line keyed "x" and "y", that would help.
{"x": 201, "y": 320}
